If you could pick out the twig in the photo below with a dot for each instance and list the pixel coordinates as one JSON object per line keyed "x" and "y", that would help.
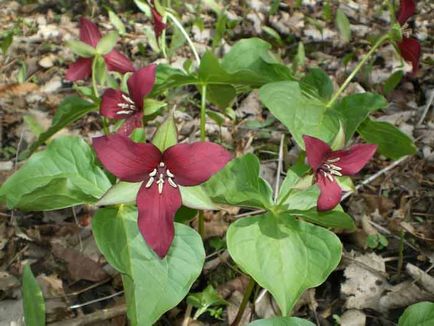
{"x": 251, "y": 213}
{"x": 103, "y": 314}
{"x": 244, "y": 302}
{"x": 279, "y": 167}
{"x": 76, "y": 306}
{"x": 425, "y": 110}
{"x": 375, "y": 176}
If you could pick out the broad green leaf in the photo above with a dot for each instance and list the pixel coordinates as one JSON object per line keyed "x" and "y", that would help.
{"x": 393, "y": 81}
{"x": 299, "y": 58}
{"x": 391, "y": 141}
{"x": 332, "y": 219}
{"x": 282, "y": 321}
{"x": 343, "y": 25}
{"x": 317, "y": 83}
{"x": 117, "y": 22}
{"x": 302, "y": 199}
{"x": 221, "y": 95}
{"x": 107, "y": 43}
{"x": 354, "y": 109}
{"x": 33, "y": 301}
{"x": 300, "y": 114}
{"x": 70, "y": 110}
{"x": 420, "y": 314}
{"x": 80, "y": 48}
{"x": 166, "y": 134}
{"x": 239, "y": 184}
{"x": 126, "y": 193}
{"x": 152, "y": 285}
{"x": 99, "y": 71}
{"x": 63, "y": 175}
{"x": 250, "y": 60}
{"x": 283, "y": 255}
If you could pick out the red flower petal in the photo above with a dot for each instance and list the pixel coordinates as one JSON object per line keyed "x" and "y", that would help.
{"x": 109, "y": 104}
{"x": 131, "y": 123}
{"x": 156, "y": 213}
{"x": 193, "y": 164}
{"x": 89, "y": 32}
{"x": 127, "y": 160}
{"x": 159, "y": 26}
{"x": 330, "y": 193}
{"x": 406, "y": 10}
{"x": 352, "y": 160}
{"x": 79, "y": 70}
{"x": 316, "y": 151}
{"x": 116, "y": 61}
{"x": 140, "y": 84}
{"x": 410, "y": 51}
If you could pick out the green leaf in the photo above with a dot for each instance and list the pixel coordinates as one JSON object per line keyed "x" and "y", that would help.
{"x": 99, "y": 71}
{"x": 63, "y": 175}
{"x": 391, "y": 141}
{"x": 282, "y": 321}
{"x": 300, "y": 114}
{"x": 283, "y": 255}
{"x": 70, "y": 110}
{"x": 166, "y": 135}
{"x": 81, "y": 49}
{"x": 33, "y": 301}
{"x": 354, "y": 109}
{"x": 318, "y": 83}
{"x": 331, "y": 219}
{"x": 343, "y": 25}
{"x": 239, "y": 184}
{"x": 126, "y": 193}
{"x": 152, "y": 107}
{"x": 221, "y": 95}
{"x": 152, "y": 285}
{"x": 107, "y": 43}
{"x": 299, "y": 58}
{"x": 393, "y": 81}
{"x": 420, "y": 314}
{"x": 250, "y": 60}
{"x": 117, "y": 22}
{"x": 205, "y": 299}
{"x": 6, "y": 42}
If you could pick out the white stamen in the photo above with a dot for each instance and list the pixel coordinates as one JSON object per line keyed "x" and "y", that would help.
{"x": 153, "y": 173}
{"x": 172, "y": 183}
{"x": 169, "y": 174}
{"x": 126, "y": 98}
{"x": 334, "y": 160}
{"x": 335, "y": 167}
{"x": 150, "y": 182}
{"x": 329, "y": 176}
{"x": 124, "y": 112}
{"x": 336, "y": 173}
{"x": 161, "y": 164}
{"x": 160, "y": 183}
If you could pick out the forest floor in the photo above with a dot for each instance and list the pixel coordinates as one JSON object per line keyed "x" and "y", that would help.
{"x": 388, "y": 261}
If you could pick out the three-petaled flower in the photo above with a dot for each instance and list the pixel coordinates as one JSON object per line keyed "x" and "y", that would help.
{"x": 328, "y": 164}
{"x": 115, "y": 104}
{"x": 409, "y": 48}
{"x": 159, "y": 196}
{"x": 82, "y": 68}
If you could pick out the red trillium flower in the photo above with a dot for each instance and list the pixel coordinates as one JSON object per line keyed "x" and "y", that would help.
{"x": 159, "y": 26}
{"x": 161, "y": 173}
{"x": 328, "y": 164}
{"x": 409, "y": 48}
{"x": 82, "y": 68}
{"x": 117, "y": 105}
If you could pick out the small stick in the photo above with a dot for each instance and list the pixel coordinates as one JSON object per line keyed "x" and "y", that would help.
{"x": 103, "y": 314}
{"x": 76, "y": 306}
{"x": 375, "y": 176}
{"x": 425, "y": 110}
{"x": 187, "y": 314}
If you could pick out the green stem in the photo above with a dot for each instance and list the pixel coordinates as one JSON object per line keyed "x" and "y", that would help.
{"x": 184, "y": 32}
{"x": 380, "y": 41}
{"x": 244, "y": 302}
{"x": 201, "y": 225}
{"x": 94, "y": 84}
{"x": 163, "y": 39}
{"x": 203, "y": 114}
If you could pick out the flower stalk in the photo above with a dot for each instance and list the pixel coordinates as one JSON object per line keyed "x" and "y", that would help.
{"x": 359, "y": 66}
{"x": 244, "y": 302}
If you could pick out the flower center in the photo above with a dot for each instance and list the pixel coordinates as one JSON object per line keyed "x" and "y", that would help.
{"x": 330, "y": 169}
{"x": 160, "y": 175}
{"x": 127, "y": 107}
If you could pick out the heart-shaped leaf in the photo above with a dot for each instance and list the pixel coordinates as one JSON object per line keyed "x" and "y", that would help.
{"x": 421, "y": 314}
{"x": 152, "y": 285}
{"x": 283, "y": 255}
